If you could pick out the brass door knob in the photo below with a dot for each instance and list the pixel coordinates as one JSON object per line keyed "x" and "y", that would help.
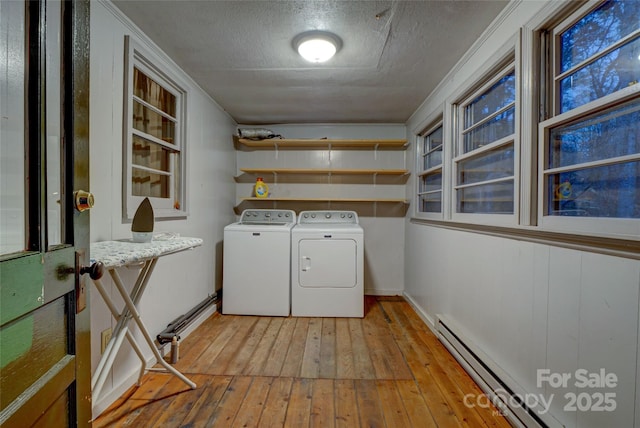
{"x": 95, "y": 271}
{"x": 83, "y": 200}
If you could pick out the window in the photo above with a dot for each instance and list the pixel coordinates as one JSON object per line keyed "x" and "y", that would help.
{"x": 590, "y": 146}
{"x": 484, "y": 180}
{"x": 430, "y": 166}
{"x": 154, "y": 125}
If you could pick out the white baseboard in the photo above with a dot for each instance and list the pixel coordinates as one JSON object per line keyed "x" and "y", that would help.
{"x": 430, "y": 322}
{"x": 108, "y": 398}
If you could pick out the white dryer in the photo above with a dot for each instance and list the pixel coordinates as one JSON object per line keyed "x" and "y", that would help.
{"x": 256, "y": 276}
{"x": 327, "y": 265}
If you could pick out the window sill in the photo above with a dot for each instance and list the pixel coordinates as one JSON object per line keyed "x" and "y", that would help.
{"x": 627, "y": 248}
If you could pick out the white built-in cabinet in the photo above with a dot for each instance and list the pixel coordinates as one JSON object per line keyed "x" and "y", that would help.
{"x": 304, "y": 174}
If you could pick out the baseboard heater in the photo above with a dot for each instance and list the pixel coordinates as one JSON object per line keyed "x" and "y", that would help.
{"x": 179, "y": 324}
{"x": 502, "y": 396}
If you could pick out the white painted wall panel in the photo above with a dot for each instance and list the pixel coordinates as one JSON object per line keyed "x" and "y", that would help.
{"x": 517, "y": 311}
{"x": 537, "y": 348}
{"x": 608, "y": 333}
{"x": 563, "y": 323}
{"x": 532, "y": 306}
{"x": 183, "y": 280}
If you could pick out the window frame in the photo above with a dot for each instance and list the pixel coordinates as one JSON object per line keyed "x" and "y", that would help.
{"x": 606, "y": 227}
{"x": 421, "y": 171}
{"x": 502, "y": 63}
{"x": 136, "y": 56}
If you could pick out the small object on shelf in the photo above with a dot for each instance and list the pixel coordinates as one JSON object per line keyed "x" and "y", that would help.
{"x": 260, "y": 190}
{"x": 257, "y": 133}
{"x": 142, "y": 225}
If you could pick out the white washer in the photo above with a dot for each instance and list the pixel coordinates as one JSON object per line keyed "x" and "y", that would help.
{"x": 257, "y": 263}
{"x": 327, "y": 265}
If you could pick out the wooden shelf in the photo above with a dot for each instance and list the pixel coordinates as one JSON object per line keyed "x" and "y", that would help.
{"x": 345, "y": 144}
{"x": 373, "y": 207}
{"x": 291, "y": 171}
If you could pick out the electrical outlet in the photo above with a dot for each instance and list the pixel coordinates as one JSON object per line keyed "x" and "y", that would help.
{"x": 105, "y": 337}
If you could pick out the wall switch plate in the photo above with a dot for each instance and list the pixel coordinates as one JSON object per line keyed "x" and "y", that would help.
{"x": 105, "y": 337}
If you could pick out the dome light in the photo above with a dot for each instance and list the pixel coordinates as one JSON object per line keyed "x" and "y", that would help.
{"x": 317, "y": 46}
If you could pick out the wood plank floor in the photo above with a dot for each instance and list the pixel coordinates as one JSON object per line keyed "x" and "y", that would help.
{"x": 385, "y": 370}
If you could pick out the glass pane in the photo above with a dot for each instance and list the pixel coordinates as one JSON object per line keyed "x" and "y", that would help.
{"x": 493, "y": 198}
{"x": 150, "y": 155}
{"x": 433, "y": 159}
{"x": 601, "y": 28}
{"x": 434, "y": 139}
{"x": 148, "y": 90}
{"x": 606, "y": 191}
{"x": 602, "y": 136}
{"x": 152, "y": 123}
{"x": 53, "y": 145}
{"x": 497, "y": 163}
{"x": 12, "y": 150}
{"x": 146, "y": 183}
{"x": 499, "y": 127}
{"x": 614, "y": 71}
{"x": 433, "y": 148}
{"x": 430, "y": 182}
{"x": 431, "y": 203}
{"x": 494, "y": 99}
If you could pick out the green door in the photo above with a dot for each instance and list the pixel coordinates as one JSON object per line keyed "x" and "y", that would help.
{"x": 44, "y": 322}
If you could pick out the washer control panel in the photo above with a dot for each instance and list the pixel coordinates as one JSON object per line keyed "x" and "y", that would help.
{"x": 333, "y": 217}
{"x": 275, "y": 217}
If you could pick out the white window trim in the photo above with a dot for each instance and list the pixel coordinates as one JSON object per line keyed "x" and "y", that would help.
{"x": 420, "y": 172}
{"x": 151, "y": 65}
{"x": 606, "y": 227}
{"x": 505, "y": 58}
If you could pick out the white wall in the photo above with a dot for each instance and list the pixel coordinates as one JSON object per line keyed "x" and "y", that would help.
{"x": 532, "y": 306}
{"x": 383, "y": 224}
{"x": 183, "y": 280}
{"x": 528, "y": 306}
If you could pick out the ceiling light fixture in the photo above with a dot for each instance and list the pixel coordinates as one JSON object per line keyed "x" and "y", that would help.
{"x": 317, "y": 46}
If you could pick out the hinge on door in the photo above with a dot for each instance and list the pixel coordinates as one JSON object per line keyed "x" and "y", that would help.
{"x": 81, "y": 291}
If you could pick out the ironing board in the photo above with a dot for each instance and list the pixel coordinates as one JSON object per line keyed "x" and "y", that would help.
{"x": 125, "y": 253}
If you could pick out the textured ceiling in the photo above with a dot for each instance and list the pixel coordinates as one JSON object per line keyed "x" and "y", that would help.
{"x": 394, "y": 53}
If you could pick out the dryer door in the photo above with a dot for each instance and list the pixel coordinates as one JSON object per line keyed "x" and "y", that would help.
{"x": 327, "y": 263}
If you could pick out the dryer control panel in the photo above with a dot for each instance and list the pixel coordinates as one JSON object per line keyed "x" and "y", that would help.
{"x": 275, "y": 217}
{"x": 331, "y": 217}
